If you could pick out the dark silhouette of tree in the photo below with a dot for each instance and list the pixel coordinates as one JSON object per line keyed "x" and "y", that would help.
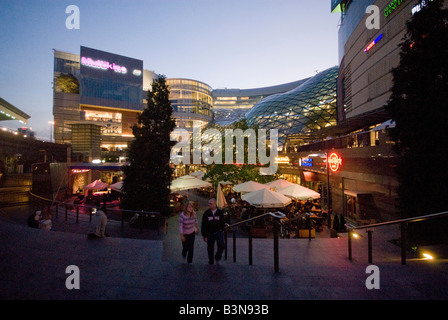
{"x": 149, "y": 174}
{"x": 419, "y": 107}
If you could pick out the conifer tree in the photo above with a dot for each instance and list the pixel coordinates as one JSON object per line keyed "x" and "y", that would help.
{"x": 419, "y": 107}
{"x": 148, "y": 175}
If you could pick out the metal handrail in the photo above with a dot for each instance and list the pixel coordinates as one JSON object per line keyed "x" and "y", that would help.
{"x": 256, "y": 218}
{"x": 277, "y": 215}
{"x": 56, "y": 203}
{"x": 403, "y": 226}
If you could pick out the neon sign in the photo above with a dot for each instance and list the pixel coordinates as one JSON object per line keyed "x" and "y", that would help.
{"x": 282, "y": 159}
{"x": 103, "y": 65}
{"x": 374, "y": 42}
{"x": 80, "y": 170}
{"x": 392, "y": 6}
{"x": 334, "y": 162}
{"x": 420, "y": 6}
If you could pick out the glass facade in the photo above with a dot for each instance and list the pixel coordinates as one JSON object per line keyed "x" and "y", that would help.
{"x": 111, "y": 80}
{"x": 192, "y": 102}
{"x": 303, "y": 110}
{"x": 354, "y": 11}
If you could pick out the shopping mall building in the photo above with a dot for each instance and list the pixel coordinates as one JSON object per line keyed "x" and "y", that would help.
{"x": 360, "y": 171}
{"x": 337, "y": 114}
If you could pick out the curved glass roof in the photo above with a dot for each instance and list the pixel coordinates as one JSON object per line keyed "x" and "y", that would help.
{"x": 306, "y": 109}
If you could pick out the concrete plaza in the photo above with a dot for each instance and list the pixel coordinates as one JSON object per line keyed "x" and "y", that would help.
{"x": 33, "y": 265}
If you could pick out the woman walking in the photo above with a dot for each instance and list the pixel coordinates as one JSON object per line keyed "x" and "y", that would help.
{"x": 188, "y": 229}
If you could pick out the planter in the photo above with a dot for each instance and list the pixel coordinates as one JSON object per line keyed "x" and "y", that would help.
{"x": 305, "y": 233}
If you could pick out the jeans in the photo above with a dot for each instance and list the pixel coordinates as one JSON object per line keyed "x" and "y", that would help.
{"x": 211, "y": 239}
{"x": 188, "y": 247}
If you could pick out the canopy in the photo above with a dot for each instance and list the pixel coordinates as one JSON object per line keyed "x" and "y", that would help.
{"x": 198, "y": 174}
{"x": 249, "y": 186}
{"x": 220, "y": 199}
{"x": 299, "y": 192}
{"x": 117, "y": 186}
{"x": 188, "y": 182}
{"x": 96, "y": 185}
{"x": 279, "y": 184}
{"x": 266, "y": 198}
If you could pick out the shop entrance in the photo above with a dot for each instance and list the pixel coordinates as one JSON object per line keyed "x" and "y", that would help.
{"x": 359, "y": 206}
{"x": 350, "y": 206}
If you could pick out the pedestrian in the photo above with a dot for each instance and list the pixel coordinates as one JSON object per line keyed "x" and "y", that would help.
{"x": 188, "y": 229}
{"x": 97, "y": 228}
{"x": 45, "y": 222}
{"x": 34, "y": 219}
{"x": 212, "y": 231}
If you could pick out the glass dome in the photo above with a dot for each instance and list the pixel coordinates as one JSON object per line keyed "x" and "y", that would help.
{"x": 304, "y": 110}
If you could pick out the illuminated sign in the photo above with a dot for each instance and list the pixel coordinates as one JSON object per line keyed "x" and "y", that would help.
{"x": 80, "y": 170}
{"x": 307, "y": 162}
{"x": 374, "y": 42}
{"x": 104, "y": 65}
{"x": 282, "y": 159}
{"x": 392, "y": 7}
{"x": 420, "y": 6}
{"x": 334, "y": 162}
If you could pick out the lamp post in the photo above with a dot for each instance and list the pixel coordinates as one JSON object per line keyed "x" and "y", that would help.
{"x": 328, "y": 182}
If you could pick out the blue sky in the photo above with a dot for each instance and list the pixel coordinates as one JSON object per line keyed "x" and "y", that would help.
{"x": 224, "y": 43}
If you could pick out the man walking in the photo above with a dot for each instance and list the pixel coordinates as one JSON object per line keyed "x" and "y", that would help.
{"x": 212, "y": 231}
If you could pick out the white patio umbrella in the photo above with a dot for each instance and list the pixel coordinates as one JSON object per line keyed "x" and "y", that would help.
{"x": 249, "y": 186}
{"x": 96, "y": 185}
{"x": 279, "y": 184}
{"x": 266, "y": 198}
{"x": 299, "y": 192}
{"x": 188, "y": 182}
{"x": 198, "y": 174}
{"x": 117, "y": 186}
{"x": 221, "y": 201}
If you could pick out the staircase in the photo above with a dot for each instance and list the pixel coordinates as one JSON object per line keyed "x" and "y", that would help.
{"x": 14, "y": 189}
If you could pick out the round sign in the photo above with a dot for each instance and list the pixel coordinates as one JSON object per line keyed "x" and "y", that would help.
{"x": 334, "y": 162}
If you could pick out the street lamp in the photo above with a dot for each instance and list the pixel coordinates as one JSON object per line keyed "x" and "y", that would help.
{"x": 51, "y": 130}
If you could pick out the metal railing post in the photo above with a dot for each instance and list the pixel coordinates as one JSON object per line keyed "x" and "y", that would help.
{"x": 234, "y": 245}
{"x": 225, "y": 244}
{"x": 276, "y": 267}
{"x": 309, "y": 227}
{"x": 77, "y": 214}
{"x": 369, "y": 234}
{"x": 350, "y": 257}
{"x": 403, "y": 227}
{"x": 250, "y": 246}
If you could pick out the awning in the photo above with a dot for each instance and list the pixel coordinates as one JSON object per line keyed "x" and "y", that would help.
{"x": 309, "y": 176}
{"x": 10, "y": 112}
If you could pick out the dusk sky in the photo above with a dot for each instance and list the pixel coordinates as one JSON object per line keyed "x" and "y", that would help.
{"x": 224, "y": 43}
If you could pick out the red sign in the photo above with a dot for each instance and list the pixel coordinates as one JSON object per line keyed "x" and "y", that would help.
{"x": 334, "y": 162}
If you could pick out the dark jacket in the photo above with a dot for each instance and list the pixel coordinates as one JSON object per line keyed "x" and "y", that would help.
{"x": 212, "y": 224}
